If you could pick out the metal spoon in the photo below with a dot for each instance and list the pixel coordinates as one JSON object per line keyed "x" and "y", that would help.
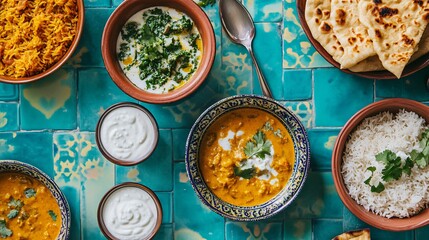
{"x": 239, "y": 26}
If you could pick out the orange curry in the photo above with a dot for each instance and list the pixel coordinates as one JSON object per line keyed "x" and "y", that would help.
{"x": 246, "y": 157}
{"x": 27, "y": 209}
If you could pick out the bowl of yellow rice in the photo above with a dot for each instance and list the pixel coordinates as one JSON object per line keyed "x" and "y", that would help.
{"x": 37, "y": 37}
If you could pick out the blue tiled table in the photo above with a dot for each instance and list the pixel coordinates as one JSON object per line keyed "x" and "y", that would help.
{"x": 51, "y": 123}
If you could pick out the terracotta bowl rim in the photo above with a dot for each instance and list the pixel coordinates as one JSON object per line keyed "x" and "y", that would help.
{"x": 112, "y": 65}
{"x": 392, "y": 224}
{"x": 62, "y": 60}
{"x": 103, "y": 200}
{"x": 411, "y": 68}
{"x": 106, "y": 153}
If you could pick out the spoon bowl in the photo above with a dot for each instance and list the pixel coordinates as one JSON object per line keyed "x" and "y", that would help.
{"x": 239, "y": 26}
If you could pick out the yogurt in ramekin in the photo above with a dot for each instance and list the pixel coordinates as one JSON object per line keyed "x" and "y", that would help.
{"x": 127, "y": 133}
{"x": 129, "y": 211}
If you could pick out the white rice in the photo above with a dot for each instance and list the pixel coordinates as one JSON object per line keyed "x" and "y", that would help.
{"x": 398, "y": 133}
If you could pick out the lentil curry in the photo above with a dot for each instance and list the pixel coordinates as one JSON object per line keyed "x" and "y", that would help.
{"x": 27, "y": 209}
{"x": 246, "y": 157}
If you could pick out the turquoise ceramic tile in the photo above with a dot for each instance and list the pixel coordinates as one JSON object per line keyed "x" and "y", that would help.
{"x": 9, "y": 117}
{"x": 96, "y": 93}
{"x": 303, "y": 110}
{"x": 297, "y": 84}
{"x": 8, "y": 92}
{"x": 327, "y": 229}
{"x": 236, "y": 68}
{"x": 88, "y": 52}
{"x": 412, "y": 87}
{"x": 187, "y": 225}
{"x": 97, "y": 3}
{"x": 267, "y": 47}
{"x": 179, "y": 143}
{"x": 253, "y": 230}
{"x": 317, "y": 199}
{"x": 351, "y": 222}
{"x": 322, "y": 142}
{"x": 166, "y": 199}
{"x": 183, "y": 113}
{"x": 338, "y": 96}
{"x": 264, "y": 11}
{"x": 97, "y": 177}
{"x": 156, "y": 171}
{"x": 298, "y": 229}
{"x": 67, "y": 175}
{"x": 422, "y": 233}
{"x": 297, "y": 49}
{"x": 165, "y": 232}
{"x": 50, "y": 103}
{"x": 34, "y": 148}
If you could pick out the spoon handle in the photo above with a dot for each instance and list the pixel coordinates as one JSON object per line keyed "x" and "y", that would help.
{"x": 264, "y": 85}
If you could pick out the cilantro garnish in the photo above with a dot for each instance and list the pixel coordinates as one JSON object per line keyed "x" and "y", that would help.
{"x": 204, "y": 3}
{"x": 29, "y": 192}
{"x": 247, "y": 173}
{"x": 4, "y": 231}
{"x": 259, "y": 146}
{"x": 13, "y": 203}
{"x": 393, "y": 167}
{"x": 12, "y": 214}
{"x": 53, "y": 215}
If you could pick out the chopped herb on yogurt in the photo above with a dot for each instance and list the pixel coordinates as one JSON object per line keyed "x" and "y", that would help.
{"x": 159, "y": 49}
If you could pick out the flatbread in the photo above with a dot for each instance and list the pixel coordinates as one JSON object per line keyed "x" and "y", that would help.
{"x": 317, "y": 15}
{"x": 351, "y": 33}
{"x": 355, "y": 235}
{"x": 395, "y": 28}
{"x": 374, "y": 64}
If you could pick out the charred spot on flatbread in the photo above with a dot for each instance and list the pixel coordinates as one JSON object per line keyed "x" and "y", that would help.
{"x": 387, "y": 12}
{"x": 340, "y": 17}
{"x": 377, "y": 1}
{"x": 325, "y": 27}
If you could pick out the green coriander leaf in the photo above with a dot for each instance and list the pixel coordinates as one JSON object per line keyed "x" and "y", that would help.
{"x": 377, "y": 189}
{"x": 29, "y": 192}
{"x": 53, "y": 215}
{"x": 258, "y": 147}
{"x": 393, "y": 170}
{"x": 426, "y": 151}
{"x": 371, "y": 169}
{"x": 385, "y": 156}
{"x": 4, "y": 231}
{"x": 13, "y": 203}
{"x": 12, "y": 214}
{"x": 408, "y": 166}
{"x": 204, "y": 3}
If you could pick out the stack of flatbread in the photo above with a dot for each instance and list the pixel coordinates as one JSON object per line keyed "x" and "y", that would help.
{"x": 370, "y": 35}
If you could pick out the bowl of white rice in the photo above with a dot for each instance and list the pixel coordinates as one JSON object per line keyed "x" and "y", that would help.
{"x": 380, "y": 164}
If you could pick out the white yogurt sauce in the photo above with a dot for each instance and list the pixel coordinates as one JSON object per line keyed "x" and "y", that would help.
{"x": 263, "y": 164}
{"x": 127, "y": 134}
{"x": 130, "y": 213}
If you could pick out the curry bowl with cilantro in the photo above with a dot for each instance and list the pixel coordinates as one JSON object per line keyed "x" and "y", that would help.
{"x": 158, "y": 51}
{"x": 31, "y": 205}
{"x": 247, "y": 157}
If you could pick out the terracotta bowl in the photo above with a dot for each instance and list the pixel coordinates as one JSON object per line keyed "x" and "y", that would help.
{"x": 137, "y": 213}
{"x": 63, "y": 59}
{"x": 105, "y": 151}
{"x": 392, "y": 105}
{"x": 111, "y": 32}
{"x": 299, "y": 171}
{"x": 35, "y": 173}
{"x": 411, "y": 68}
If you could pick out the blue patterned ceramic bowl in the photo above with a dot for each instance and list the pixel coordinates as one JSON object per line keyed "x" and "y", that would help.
{"x": 23, "y": 168}
{"x": 299, "y": 172}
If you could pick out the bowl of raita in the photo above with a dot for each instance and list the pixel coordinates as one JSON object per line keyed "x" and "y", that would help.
{"x": 158, "y": 51}
{"x": 247, "y": 157}
{"x": 380, "y": 164}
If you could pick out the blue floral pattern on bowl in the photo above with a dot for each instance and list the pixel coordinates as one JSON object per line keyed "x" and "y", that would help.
{"x": 29, "y": 170}
{"x": 300, "y": 168}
